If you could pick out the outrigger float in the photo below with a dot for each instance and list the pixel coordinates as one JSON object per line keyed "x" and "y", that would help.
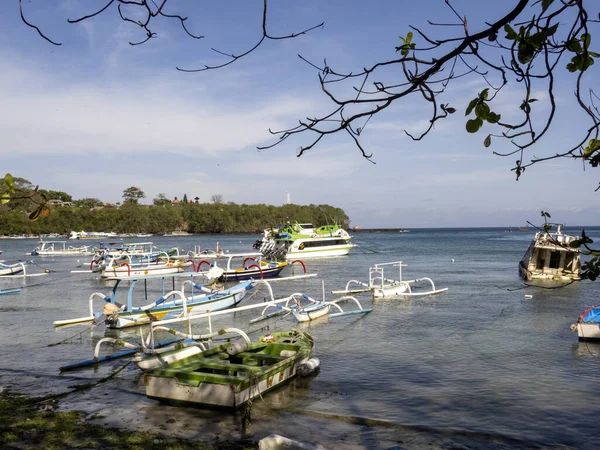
{"x": 380, "y": 286}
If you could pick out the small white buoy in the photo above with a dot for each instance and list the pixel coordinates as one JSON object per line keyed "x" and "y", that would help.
{"x": 528, "y": 296}
{"x": 452, "y": 260}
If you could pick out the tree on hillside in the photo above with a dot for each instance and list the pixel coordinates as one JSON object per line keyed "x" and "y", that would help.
{"x": 132, "y": 195}
{"x": 88, "y": 202}
{"x": 531, "y": 49}
{"x": 217, "y": 199}
{"x": 55, "y": 195}
{"x": 161, "y": 200}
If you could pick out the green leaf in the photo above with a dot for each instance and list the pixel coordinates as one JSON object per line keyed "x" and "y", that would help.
{"x": 4, "y": 198}
{"x": 450, "y": 110}
{"x": 474, "y": 125}
{"x": 471, "y": 106}
{"x": 8, "y": 179}
{"x": 484, "y": 94}
{"x": 510, "y": 33}
{"x": 546, "y": 4}
{"x": 488, "y": 141}
{"x": 493, "y": 117}
{"x": 482, "y": 110}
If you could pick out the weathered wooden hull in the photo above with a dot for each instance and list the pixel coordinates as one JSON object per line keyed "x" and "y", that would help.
{"x": 218, "y": 379}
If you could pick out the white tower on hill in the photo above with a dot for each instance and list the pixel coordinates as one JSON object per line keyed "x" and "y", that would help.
{"x": 287, "y": 198}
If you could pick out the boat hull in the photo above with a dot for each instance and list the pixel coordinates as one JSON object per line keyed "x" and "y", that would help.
{"x": 124, "y": 271}
{"x": 218, "y": 378}
{"x": 588, "y": 331}
{"x": 194, "y": 305}
{"x": 11, "y": 270}
{"x": 255, "y": 274}
{"x": 311, "y": 312}
{"x": 215, "y": 395}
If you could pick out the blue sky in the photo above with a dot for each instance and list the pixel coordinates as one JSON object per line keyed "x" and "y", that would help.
{"x": 96, "y": 116}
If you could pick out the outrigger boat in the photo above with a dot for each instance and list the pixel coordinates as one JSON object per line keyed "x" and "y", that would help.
{"x": 228, "y": 376}
{"x": 380, "y": 286}
{"x": 588, "y": 325}
{"x": 245, "y": 266}
{"x": 151, "y": 352}
{"x": 127, "y": 265}
{"x": 550, "y": 258}
{"x": 12, "y": 269}
{"x": 60, "y": 248}
{"x": 171, "y": 304}
{"x": 304, "y": 240}
{"x": 18, "y": 269}
{"x": 305, "y": 308}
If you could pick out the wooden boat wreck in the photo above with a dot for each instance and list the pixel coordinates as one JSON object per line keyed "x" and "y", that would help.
{"x": 549, "y": 258}
{"x": 228, "y": 376}
{"x": 381, "y": 286}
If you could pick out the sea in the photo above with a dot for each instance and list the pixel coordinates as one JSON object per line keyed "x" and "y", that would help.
{"x": 489, "y": 364}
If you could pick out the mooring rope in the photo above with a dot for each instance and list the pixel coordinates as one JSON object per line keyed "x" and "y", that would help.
{"x": 78, "y": 335}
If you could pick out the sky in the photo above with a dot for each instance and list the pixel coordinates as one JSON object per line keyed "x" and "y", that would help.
{"x": 95, "y": 115}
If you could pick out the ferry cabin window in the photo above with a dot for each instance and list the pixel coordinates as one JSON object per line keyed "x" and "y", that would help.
{"x": 324, "y": 243}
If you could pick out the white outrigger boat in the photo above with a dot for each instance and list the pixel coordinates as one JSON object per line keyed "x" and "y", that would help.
{"x": 305, "y": 308}
{"x": 171, "y": 304}
{"x": 61, "y": 248}
{"x": 380, "y": 286}
{"x": 18, "y": 269}
{"x": 151, "y": 353}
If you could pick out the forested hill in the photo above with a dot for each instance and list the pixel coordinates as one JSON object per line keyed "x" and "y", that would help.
{"x": 192, "y": 217}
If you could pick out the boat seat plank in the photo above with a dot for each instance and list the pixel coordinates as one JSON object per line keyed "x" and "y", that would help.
{"x": 261, "y": 356}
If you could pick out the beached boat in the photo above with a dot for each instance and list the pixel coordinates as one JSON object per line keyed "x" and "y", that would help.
{"x": 304, "y": 240}
{"x": 549, "y": 258}
{"x": 228, "y": 376}
{"x": 173, "y": 304}
{"x": 61, "y": 248}
{"x": 381, "y": 286}
{"x": 588, "y": 324}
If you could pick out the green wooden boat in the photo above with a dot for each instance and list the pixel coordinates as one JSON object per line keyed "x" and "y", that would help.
{"x": 229, "y": 375}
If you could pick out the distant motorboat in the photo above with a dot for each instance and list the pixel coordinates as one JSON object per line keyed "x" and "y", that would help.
{"x": 90, "y": 235}
{"x": 60, "y": 248}
{"x": 304, "y": 240}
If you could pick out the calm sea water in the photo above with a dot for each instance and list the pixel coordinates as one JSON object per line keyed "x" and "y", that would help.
{"x": 480, "y": 366}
